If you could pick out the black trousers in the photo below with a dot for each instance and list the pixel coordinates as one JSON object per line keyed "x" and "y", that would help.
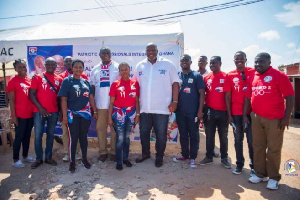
{"x": 78, "y": 130}
{"x": 189, "y": 134}
{"x": 216, "y": 119}
{"x": 22, "y": 136}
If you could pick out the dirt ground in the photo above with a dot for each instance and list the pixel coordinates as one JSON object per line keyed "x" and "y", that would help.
{"x": 144, "y": 180}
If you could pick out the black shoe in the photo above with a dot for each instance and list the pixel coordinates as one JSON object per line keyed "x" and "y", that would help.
{"x": 102, "y": 157}
{"x": 36, "y": 164}
{"x": 237, "y": 170}
{"x": 158, "y": 162}
{"x": 127, "y": 163}
{"x": 51, "y": 162}
{"x": 72, "y": 168}
{"x": 86, "y": 164}
{"x": 225, "y": 162}
{"x": 119, "y": 167}
{"x": 206, "y": 161}
{"x": 141, "y": 158}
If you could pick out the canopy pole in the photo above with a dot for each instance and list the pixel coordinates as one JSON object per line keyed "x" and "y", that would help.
{"x": 4, "y": 77}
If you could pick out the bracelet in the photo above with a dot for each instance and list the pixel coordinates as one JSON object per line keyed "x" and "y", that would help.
{"x": 95, "y": 112}
{"x": 138, "y": 114}
{"x": 175, "y": 101}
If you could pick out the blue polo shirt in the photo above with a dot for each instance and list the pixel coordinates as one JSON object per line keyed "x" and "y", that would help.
{"x": 188, "y": 101}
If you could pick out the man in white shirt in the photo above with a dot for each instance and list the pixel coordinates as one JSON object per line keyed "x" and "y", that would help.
{"x": 102, "y": 76}
{"x": 202, "y": 62}
{"x": 159, "y": 88}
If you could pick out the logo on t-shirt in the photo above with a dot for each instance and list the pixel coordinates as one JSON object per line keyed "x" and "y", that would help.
{"x": 190, "y": 80}
{"x": 24, "y": 87}
{"x": 187, "y": 90}
{"x": 44, "y": 83}
{"x": 221, "y": 80}
{"x": 133, "y": 87}
{"x": 268, "y": 79}
{"x": 86, "y": 94}
{"x": 162, "y": 71}
{"x": 77, "y": 90}
{"x": 132, "y": 94}
{"x": 57, "y": 83}
{"x": 236, "y": 83}
{"x": 209, "y": 81}
{"x": 122, "y": 91}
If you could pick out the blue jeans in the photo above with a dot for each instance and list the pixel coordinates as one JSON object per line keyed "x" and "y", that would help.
{"x": 160, "y": 124}
{"x": 189, "y": 134}
{"x": 238, "y": 141}
{"x": 39, "y": 123}
{"x": 122, "y": 140}
{"x": 216, "y": 119}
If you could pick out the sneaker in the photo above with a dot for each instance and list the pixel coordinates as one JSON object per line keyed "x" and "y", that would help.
{"x": 29, "y": 159}
{"x": 225, "y": 162}
{"x": 179, "y": 158}
{"x": 127, "y": 163}
{"x": 252, "y": 172}
{"x": 86, "y": 163}
{"x": 119, "y": 167}
{"x": 272, "y": 184}
{"x": 18, "y": 164}
{"x": 206, "y": 161}
{"x": 237, "y": 170}
{"x": 141, "y": 158}
{"x": 72, "y": 168}
{"x": 193, "y": 163}
{"x": 159, "y": 162}
{"x": 36, "y": 164}
{"x": 255, "y": 179}
{"x": 66, "y": 158}
{"x": 51, "y": 162}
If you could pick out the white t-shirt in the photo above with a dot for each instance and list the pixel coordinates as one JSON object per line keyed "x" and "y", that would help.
{"x": 102, "y": 81}
{"x": 156, "y": 85}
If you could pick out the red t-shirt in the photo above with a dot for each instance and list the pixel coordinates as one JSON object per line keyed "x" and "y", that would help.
{"x": 23, "y": 105}
{"x": 66, "y": 74}
{"x": 214, "y": 88}
{"x": 267, "y": 92}
{"x": 237, "y": 86}
{"x": 45, "y": 94}
{"x": 125, "y": 92}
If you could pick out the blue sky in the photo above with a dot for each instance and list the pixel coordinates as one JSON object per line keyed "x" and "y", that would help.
{"x": 270, "y": 26}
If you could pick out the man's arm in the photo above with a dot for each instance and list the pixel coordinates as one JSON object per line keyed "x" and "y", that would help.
{"x": 201, "y": 104}
{"x": 175, "y": 92}
{"x": 284, "y": 122}
{"x": 32, "y": 95}
{"x": 228, "y": 106}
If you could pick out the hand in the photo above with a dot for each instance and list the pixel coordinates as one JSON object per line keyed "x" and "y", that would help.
{"x": 245, "y": 120}
{"x": 43, "y": 112}
{"x": 95, "y": 116}
{"x": 60, "y": 116}
{"x": 14, "y": 120}
{"x": 284, "y": 123}
{"x": 64, "y": 120}
{"x": 172, "y": 107}
{"x": 136, "y": 120}
{"x": 230, "y": 120}
{"x": 110, "y": 121}
{"x": 200, "y": 116}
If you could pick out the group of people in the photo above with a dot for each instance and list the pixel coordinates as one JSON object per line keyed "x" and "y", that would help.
{"x": 256, "y": 101}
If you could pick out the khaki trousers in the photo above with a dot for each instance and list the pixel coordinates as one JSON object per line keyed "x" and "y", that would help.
{"x": 267, "y": 144}
{"x": 65, "y": 138}
{"x": 101, "y": 127}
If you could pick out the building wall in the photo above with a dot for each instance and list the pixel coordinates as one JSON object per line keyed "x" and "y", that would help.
{"x": 291, "y": 70}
